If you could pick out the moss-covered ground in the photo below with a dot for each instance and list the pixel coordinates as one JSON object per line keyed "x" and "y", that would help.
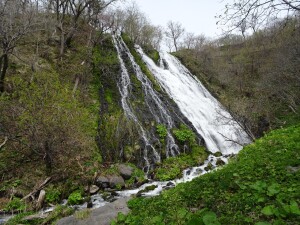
{"x": 261, "y": 186}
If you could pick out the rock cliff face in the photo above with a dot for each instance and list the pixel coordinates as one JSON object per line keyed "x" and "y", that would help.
{"x": 132, "y": 109}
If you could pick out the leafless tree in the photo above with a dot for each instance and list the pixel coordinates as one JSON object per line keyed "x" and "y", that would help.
{"x": 88, "y": 10}
{"x": 189, "y": 40}
{"x": 16, "y": 20}
{"x": 255, "y": 13}
{"x": 174, "y": 31}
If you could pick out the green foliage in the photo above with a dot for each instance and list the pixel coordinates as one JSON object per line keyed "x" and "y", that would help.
{"x": 16, "y": 204}
{"x": 184, "y": 135}
{"x": 172, "y": 167}
{"x": 52, "y": 195}
{"x": 259, "y": 186}
{"x": 75, "y": 198}
{"x": 162, "y": 131}
{"x": 18, "y": 219}
{"x": 152, "y": 53}
{"x": 137, "y": 175}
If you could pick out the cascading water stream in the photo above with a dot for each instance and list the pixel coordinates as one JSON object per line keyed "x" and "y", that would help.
{"x": 218, "y": 129}
{"x": 159, "y": 111}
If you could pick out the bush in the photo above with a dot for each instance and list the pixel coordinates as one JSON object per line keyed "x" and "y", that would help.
{"x": 52, "y": 195}
{"x": 184, "y": 135}
{"x": 75, "y": 198}
{"x": 162, "y": 131}
{"x": 16, "y": 204}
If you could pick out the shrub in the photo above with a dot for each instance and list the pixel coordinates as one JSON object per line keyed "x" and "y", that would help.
{"x": 52, "y": 195}
{"x": 16, "y": 204}
{"x": 75, "y": 198}
{"x": 184, "y": 135}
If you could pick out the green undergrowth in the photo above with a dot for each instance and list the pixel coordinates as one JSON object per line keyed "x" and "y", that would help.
{"x": 194, "y": 154}
{"x": 142, "y": 65}
{"x": 259, "y": 186}
{"x": 172, "y": 167}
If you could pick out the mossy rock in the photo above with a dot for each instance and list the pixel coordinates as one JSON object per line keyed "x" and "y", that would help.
{"x": 218, "y": 154}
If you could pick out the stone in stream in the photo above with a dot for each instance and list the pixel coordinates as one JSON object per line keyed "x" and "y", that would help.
{"x": 209, "y": 167}
{"x": 217, "y": 154}
{"x": 125, "y": 171}
{"x": 220, "y": 162}
{"x": 100, "y": 216}
{"x": 170, "y": 184}
{"x": 93, "y": 189}
{"x": 102, "y": 182}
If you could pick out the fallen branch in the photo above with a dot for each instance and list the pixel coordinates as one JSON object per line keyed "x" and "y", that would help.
{"x": 4, "y": 142}
{"x": 41, "y": 186}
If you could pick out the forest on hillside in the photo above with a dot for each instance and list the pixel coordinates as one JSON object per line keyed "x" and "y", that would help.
{"x": 62, "y": 125}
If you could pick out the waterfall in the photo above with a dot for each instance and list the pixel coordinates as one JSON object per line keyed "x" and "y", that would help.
{"x": 158, "y": 110}
{"x": 218, "y": 129}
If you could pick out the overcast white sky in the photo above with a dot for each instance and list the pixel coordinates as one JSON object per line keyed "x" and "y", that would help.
{"x": 197, "y": 16}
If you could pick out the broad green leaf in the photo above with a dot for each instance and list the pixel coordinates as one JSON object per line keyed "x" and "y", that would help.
{"x": 273, "y": 189}
{"x": 259, "y": 185}
{"x": 210, "y": 218}
{"x": 268, "y": 210}
{"x": 294, "y": 208}
{"x": 262, "y": 223}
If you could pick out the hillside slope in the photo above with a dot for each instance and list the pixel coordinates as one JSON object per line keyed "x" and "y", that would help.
{"x": 260, "y": 184}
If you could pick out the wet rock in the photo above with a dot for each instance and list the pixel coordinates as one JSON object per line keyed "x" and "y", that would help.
{"x": 116, "y": 181}
{"x": 188, "y": 172}
{"x": 198, "y": 171}
{"x": 220, "y": 162}
{"x": 93, "y": 189}
{"x": 125, "y": 171}
{"x": 102, "y": 182}
{"x": 208, "y": 167}
{"x": 217, "y": 154}
{"x": 89, "y": 204}
{"x": 169, "y": 184}
{"x": 146, "y": 189}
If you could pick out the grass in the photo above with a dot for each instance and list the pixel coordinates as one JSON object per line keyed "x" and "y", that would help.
{"x": 260, "y": 186}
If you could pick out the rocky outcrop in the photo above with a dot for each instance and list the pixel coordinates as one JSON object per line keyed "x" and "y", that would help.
{"x": 100, "y": 216}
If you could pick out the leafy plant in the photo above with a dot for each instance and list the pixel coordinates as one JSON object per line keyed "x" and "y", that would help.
{"x": 52, "y": 195}
{"x": 75, "y": 198}
{"x": 184, "y": 134}
{"x": 254, "y": 188}
{"x": 162, "y": 131}
{"x": 16, "y": 204}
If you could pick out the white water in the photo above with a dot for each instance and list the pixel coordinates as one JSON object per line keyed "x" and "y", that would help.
{"x": 160, "y": 113}
{"x": 219, "y": 131}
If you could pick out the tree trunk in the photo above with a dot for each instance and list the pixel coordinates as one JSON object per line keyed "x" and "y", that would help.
{"x": 48, "y": 157}
{"x": 3, "y": 69}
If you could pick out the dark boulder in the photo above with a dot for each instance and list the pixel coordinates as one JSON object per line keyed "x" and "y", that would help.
{"x": 125, "y": 171}
{"x": 102, "y": 182}
{"x": 116, "y": 181}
